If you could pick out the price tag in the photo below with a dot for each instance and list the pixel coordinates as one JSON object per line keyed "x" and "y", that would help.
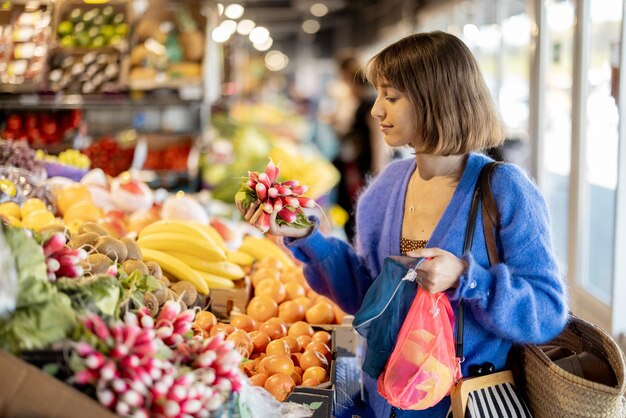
{"x": 29, "y": 99}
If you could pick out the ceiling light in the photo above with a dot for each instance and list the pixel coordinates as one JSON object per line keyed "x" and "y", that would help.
{"x": 220, "y": 9}
{"x": 220, "y": 34}
{"x": 245, "y": 26}
{"x": 276, "y": 60}
{"x": 265, "y": 45}
{"x": 234, "y": 11}
{"x": 310, "y": 26}
{"x": 229, "y": 25}
{"x": 259, "y": 35}
{"x": 319, "y": 9}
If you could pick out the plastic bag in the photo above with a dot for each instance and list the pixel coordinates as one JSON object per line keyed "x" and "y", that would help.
{"x": 256, "y": 402}
{"x": 8, "y": 278}
{"x": 423, "y": 366}
{"x": 384, "y": 308}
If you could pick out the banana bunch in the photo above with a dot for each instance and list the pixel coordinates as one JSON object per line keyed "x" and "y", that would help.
{"x": 192, "y": 252}
{"x": 261, "y": 247}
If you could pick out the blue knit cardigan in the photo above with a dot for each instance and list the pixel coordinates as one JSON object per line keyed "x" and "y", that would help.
{"x": 521, "y": 299}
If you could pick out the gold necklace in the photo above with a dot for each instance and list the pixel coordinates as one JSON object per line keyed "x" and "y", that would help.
{"x": 435, "y": 181}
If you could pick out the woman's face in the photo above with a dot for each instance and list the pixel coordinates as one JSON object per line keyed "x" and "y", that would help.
{"x": 396, "y": 116}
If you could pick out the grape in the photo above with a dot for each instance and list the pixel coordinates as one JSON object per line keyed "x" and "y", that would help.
{"x": 18, "y": 154}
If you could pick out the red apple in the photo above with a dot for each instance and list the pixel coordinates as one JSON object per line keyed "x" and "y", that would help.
{"x": 223, "y": 229}
{"x": 132, "y": 186}
{"x": 115, "y": 227}
{"x": 115, "y": 213}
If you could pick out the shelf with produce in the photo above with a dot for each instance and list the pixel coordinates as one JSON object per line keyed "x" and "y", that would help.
{"x": 38, "y": 101}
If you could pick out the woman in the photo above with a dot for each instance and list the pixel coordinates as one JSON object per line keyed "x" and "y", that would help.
{"x": 431, "y": 96}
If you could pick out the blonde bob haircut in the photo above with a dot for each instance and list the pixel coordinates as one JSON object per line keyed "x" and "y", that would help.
{"x": 454, "y": 111}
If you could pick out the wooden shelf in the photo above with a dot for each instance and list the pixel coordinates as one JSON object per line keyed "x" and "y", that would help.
{"x": 93, "y": 101}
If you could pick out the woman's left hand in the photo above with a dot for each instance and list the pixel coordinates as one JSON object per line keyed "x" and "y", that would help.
{"x": 440, "y": 271}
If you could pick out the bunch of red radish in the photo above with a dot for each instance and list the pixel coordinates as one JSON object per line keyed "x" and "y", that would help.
{"x": 62, "y": 261}
{"x": 137, "y": 373}
{"x": 283, "y": 198}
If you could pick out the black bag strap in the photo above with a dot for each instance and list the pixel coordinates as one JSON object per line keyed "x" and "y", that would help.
{"x": 482, "y": 193}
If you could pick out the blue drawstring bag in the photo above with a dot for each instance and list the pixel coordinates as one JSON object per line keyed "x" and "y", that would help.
{"x": 384, "y": 308}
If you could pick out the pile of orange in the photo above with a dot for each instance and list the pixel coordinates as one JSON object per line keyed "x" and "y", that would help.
{"x": 278, "y": 357}
{"x": 284, "y": 293}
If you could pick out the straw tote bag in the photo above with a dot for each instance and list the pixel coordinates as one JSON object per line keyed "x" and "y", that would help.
{"x": 553, "y": 392}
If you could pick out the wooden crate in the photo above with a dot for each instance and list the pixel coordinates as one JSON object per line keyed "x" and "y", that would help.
{"x": 223, "y": 301}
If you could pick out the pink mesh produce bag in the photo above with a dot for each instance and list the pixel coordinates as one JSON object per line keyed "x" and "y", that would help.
{"x": 422, "y": 367}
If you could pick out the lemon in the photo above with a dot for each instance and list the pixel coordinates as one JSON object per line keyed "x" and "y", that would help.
{"x": 31, "y": 205}
{"x": 10, "y": 209}
{"x": 13, "y": 221}
{"x": 7, "y": 187}
{"x": 38, "y": 219}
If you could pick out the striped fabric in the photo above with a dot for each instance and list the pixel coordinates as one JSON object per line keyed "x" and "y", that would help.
{"x": 499, "y": 401}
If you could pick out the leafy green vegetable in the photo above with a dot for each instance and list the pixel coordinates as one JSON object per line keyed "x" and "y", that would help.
{"x": 43, "y": 315}
{"x": 136, "y": 284}
{"x": 99, "y": 294}
{"x": 29, "y": 258}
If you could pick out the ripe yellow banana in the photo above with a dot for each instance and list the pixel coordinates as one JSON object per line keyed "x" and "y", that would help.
{"x": 192, "y": 229}
{"x": 215, "y": 282}
{"x": 223, "y": 269}
{"x": 239, "y": 257}
{"x": 212, "y": 232}
{"x": 177, "y": 268}
{"x": 261, "y": 247}
{"x": 171, "y": 242}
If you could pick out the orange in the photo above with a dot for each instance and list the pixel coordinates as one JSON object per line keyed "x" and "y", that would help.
{"x": 304, "y": 341}
{"x": 274, "y": 329}
{"x": 292, "y": 342}
{"x": 300, "y": 328}
{"x": 278, "y": 363}
{"x": 206, "y": 320}
{"x": 316, "y": 373}
{"x": 320, "y": 313}
{"x": 244, "y": 322}
{"x": 262, "y": 308}
{"x": 258, "y": 379}
{"x": 312, "y": 358}
{"x": 269, "y": 262}
{"x": 304, "y": 301}
{"x": 322, "y": 336}
{"x": 272, "y": 288}
{"x": 225, "y": 328}
{"x": 280, "y": 386}
{"x": 262, "y": 274}
{"x": 242, "y": 342}
{"x": 291, "y": 311}
{"x": 260, "y": 340}
{"x": 277, "y": 347}
{"x": 294, "y": 290}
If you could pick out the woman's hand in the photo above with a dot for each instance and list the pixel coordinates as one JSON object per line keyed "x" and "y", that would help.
{"x": 275, "y": 229}
{"x": 440, "y": 271}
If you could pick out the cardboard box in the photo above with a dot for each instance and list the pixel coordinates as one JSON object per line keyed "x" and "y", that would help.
{"x": 345, "y": 337}
{"x": 27, "y": 392}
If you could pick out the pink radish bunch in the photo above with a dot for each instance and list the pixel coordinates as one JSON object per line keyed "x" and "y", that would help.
{"x": 172, "y": 325}
{"x": 285, "y": 199}
{"x": 62, "y": 261}
{"x": 143, "y": 367}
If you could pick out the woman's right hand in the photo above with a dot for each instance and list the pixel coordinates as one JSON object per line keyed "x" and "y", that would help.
{"x": 275, "y": 229}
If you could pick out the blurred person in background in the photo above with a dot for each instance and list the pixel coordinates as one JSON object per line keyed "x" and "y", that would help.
{"x": 361, "y": 150}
